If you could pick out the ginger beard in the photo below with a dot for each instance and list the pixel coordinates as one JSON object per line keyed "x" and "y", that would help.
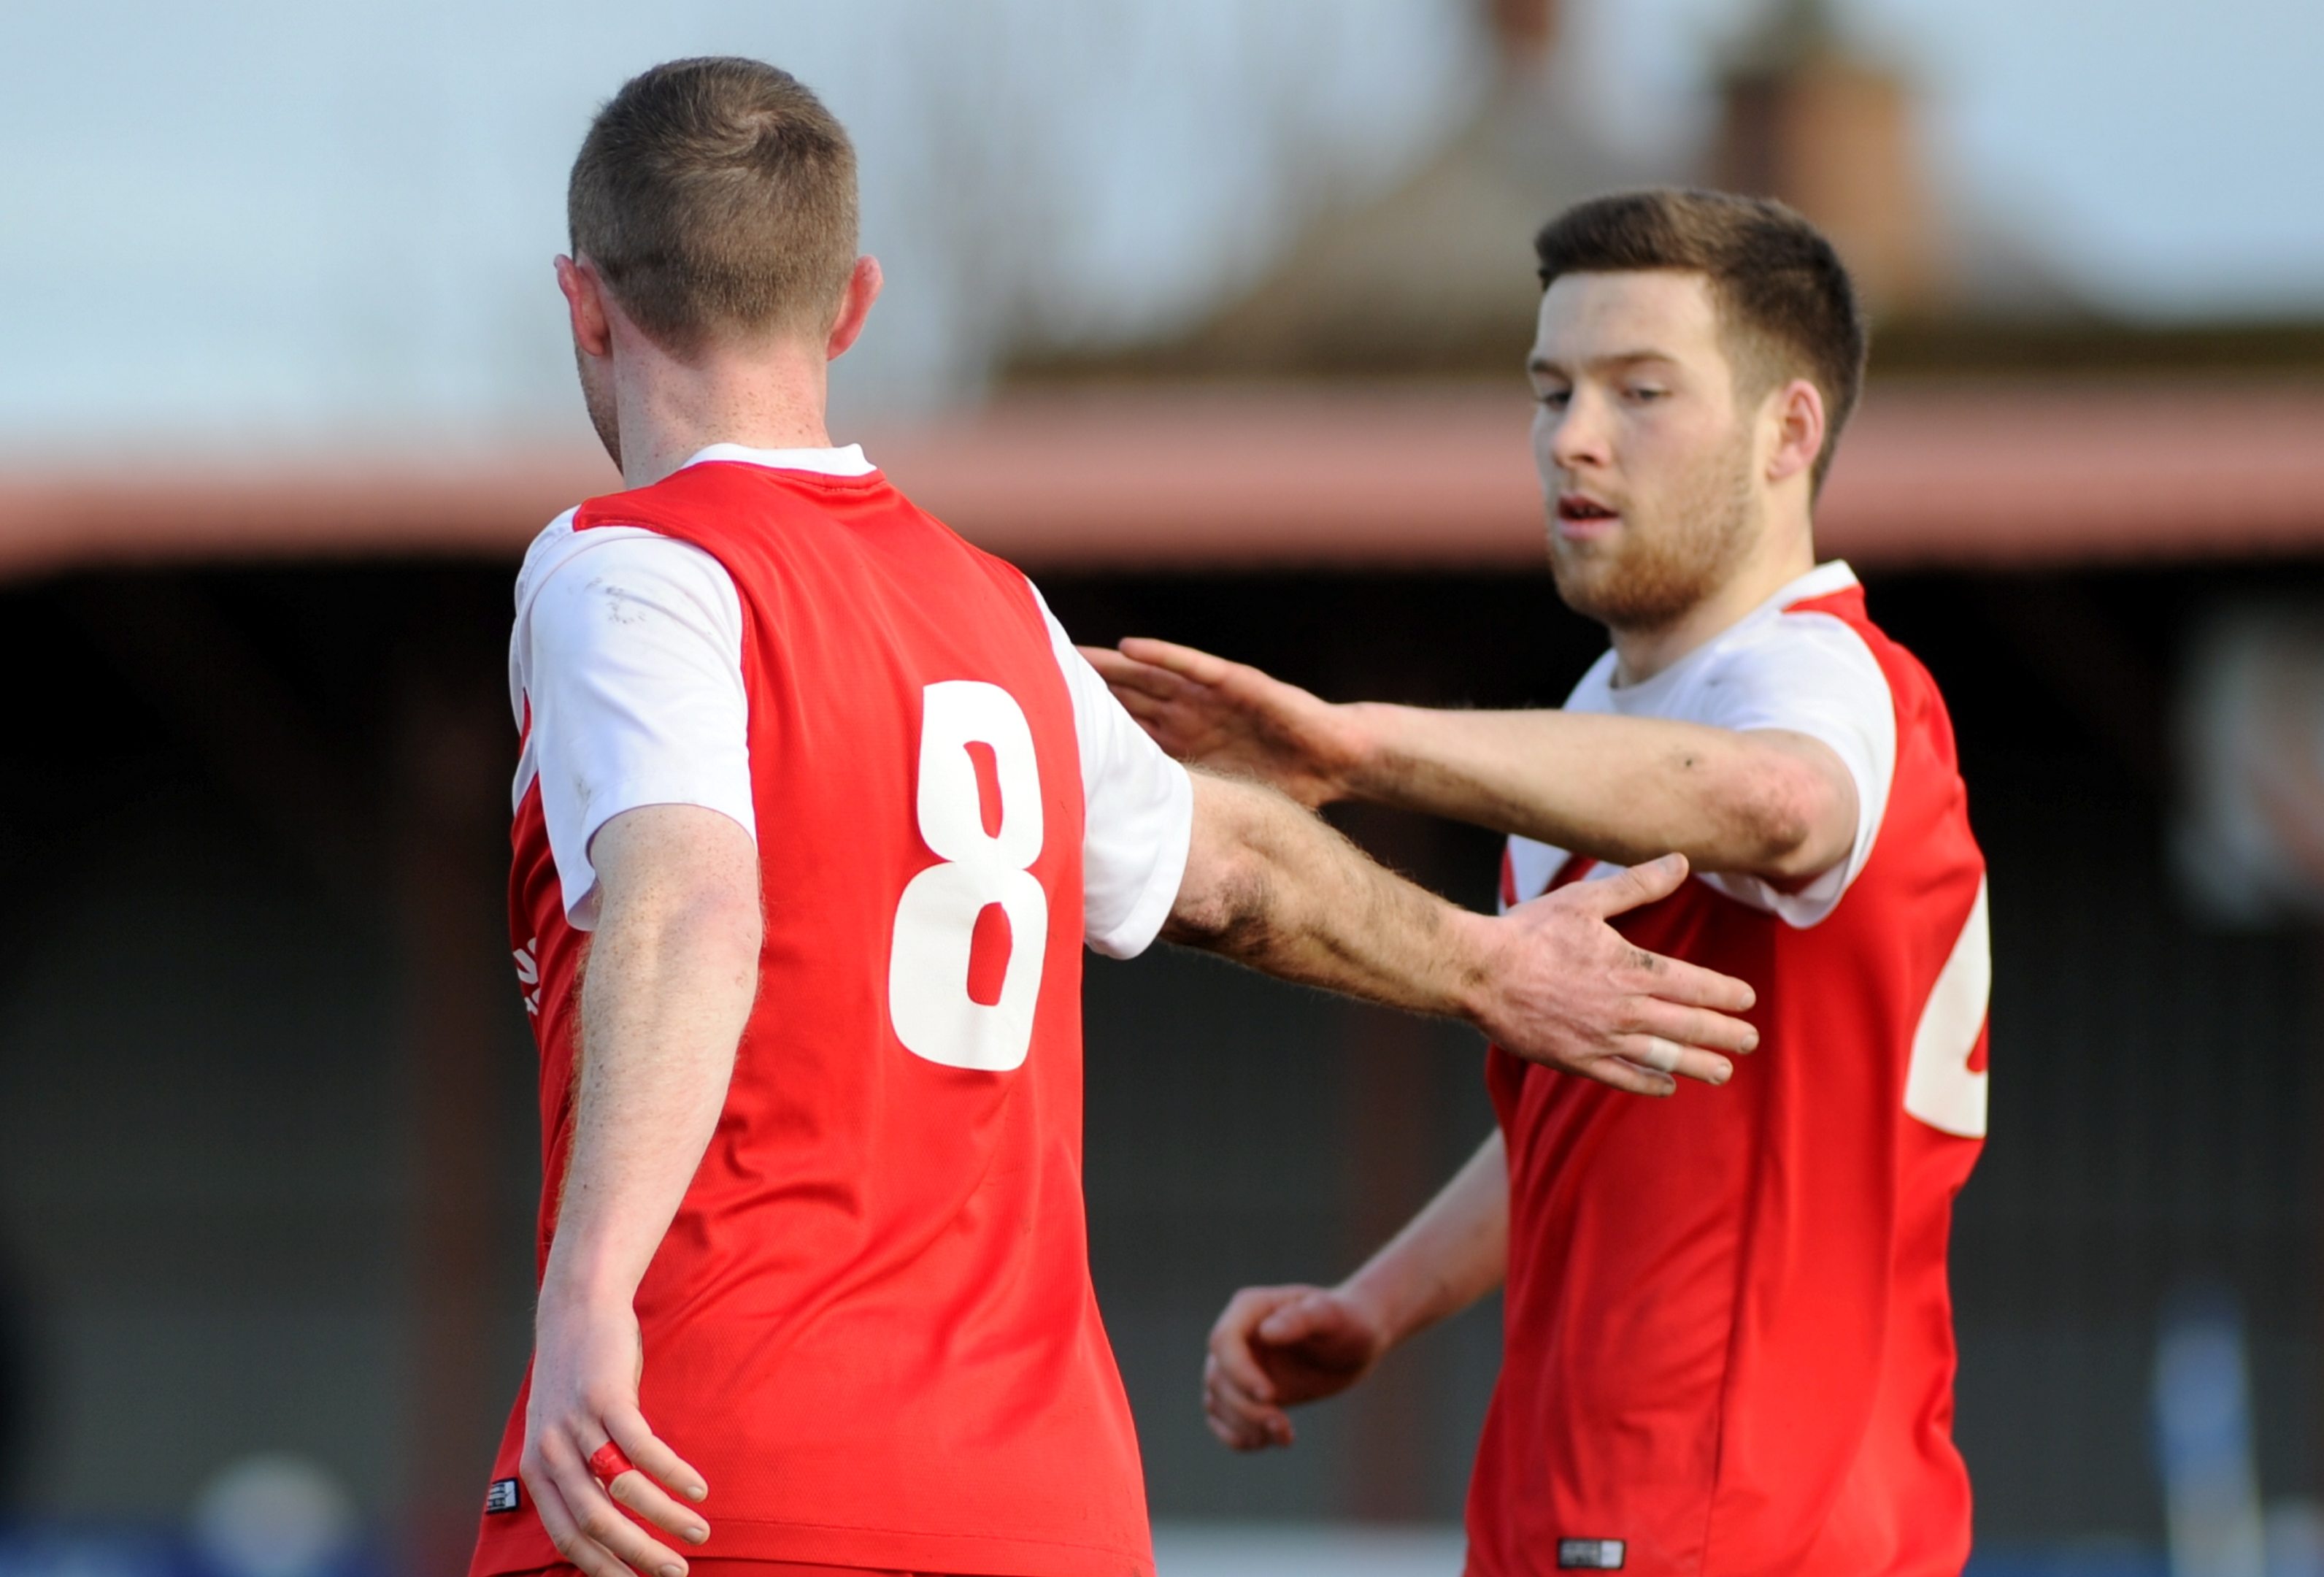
{"x": 1672, "y": 551}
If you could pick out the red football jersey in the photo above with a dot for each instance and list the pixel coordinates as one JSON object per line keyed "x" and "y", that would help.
{"x": 870, "y": 1325}
{"x": 1728, "y": 1338}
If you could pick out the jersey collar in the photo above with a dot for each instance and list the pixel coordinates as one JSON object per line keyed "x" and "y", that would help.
{"x": 1833, "y": 576}
{"x": 1819, "y": 582}
{"x": 843, "y": 462}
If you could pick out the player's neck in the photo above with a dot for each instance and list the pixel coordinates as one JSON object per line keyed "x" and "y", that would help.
{"x": 769, "y": 395}
{"x": 1778, "y": 557}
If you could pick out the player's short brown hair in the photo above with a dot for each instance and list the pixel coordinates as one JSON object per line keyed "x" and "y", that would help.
{"x": 1785, "y": 301}
{"x": 716, "y": 196}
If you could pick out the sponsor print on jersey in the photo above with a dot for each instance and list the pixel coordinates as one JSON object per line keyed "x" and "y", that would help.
{"x": 980, "y": 813}
{"x": 1940, "y": 1088}
{"x": 1591, "y": 1555}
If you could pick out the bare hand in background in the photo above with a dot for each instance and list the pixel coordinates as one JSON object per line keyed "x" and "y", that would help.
{"x": 1276, "y": 1347}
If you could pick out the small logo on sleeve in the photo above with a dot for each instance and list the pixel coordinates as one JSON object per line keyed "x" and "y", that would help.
{"x": 528, "y": 975}
{"x": 502, "y": 1497}
{"x": 1590, "y": 1554}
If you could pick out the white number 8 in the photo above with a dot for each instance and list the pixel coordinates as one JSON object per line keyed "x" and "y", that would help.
{"x": 929, "y": 1000}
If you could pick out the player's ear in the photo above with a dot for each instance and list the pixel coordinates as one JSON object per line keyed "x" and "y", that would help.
{"x": 1796, "y": 411}
{"x": 585, "y": 303}
{"x": 854, "y": 306}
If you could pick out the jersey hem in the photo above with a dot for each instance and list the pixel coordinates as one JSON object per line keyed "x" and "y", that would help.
{"x": 879, "y": 1549}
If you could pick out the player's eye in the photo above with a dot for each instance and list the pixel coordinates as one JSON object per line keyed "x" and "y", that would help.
{"x": 1555, "y": 399}
{"x": 1646, "y": 393}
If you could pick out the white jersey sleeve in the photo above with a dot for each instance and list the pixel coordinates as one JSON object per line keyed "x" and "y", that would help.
{"x": 1138, "y": 812}
{"x": 626, "y": 662}
{"x": 626, "y": 671}
{"x": 1807, "y": 673}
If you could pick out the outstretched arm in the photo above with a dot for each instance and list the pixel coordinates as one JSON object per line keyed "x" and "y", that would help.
{"x": 1269, "y": 884}
{"x": 673, "y": 968}
{"x": 1276, "y": 1347}
{"x": 1768, "y": 802}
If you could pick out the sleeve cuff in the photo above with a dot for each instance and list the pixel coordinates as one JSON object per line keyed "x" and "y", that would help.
{"x": 578, "y": 880}
{"x": 1138, "y": 929}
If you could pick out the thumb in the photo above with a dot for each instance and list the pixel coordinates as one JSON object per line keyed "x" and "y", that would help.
{"x": 1640, "y": 884}
{"x": 1296, "y": 1320}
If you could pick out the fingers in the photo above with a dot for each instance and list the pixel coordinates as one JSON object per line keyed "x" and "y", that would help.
{"x": 646, "y": 1450}
{"x": 1129, "y": 676}
{"x": 1628, "y": 1075}
{"x": 1694, "y": 1027}
{"x": 1667, "y": 1057}
{"x": 1296, "y": 1320}
{"x": 557, "y": 1521}
{"x": 639, "y": 1492}
{"x": 1639, "y": 884}
{"x": 639, "y": 1485}
{"x": 1239, "y": 1398}
{"x": 1692, "y": 985}
{"x": 1237, "y": 1324}
{"x": 1239, "y": 1419}
{"x": 1187, "y": 662}
{"x": 1653, "y": 1051}
{"x": 1156, "y": 668}
{"x": 582, "y": 1521}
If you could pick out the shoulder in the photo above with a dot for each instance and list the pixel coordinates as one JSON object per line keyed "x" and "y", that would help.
{"x": 1837, "y": 637}
{"x": 543, "y": 552}
{"x": 637, "y": 563}
{"x": 951, "y": 556}
{"x": 1805, "y": 648}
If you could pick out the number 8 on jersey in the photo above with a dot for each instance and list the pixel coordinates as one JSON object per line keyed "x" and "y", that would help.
{"x": 980, "y": 812}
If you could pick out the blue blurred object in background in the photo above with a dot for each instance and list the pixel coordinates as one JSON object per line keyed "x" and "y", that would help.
{"x": 273, "y": 1514}
{"x": 2203, "y": 1437}
{"x": 60, "y": 1550}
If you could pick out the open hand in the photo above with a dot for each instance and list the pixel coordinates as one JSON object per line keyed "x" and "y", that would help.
{"x": 1576, "y": 994}
{"x": 585, "y": 1392}
{"x": 1231, "y": 718}
{"x": 1276, "y": 1347}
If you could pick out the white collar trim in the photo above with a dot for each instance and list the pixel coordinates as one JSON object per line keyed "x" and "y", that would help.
{"x": 1819, "y": 582}
{"x": 843, "y": 462}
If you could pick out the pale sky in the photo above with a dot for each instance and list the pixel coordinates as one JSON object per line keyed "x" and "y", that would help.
{"x": 278, "y": 222}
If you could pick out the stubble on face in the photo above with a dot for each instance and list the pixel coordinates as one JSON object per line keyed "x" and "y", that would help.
{"x": 597, "y": 398}
{"x": 1671, "y": 553}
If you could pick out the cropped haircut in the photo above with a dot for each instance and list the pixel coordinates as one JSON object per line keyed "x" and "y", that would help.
{"x": 716, "y": 197}
{"x": 1786, "y": 306}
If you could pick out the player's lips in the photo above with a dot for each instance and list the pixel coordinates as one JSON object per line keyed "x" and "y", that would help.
{"x": 1581, "y": 515}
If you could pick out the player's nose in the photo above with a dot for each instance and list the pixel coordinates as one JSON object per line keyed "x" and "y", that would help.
{"x": 1576, "y": 437}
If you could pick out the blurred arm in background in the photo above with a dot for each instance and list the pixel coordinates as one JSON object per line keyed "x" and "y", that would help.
{"x": 1276, "y": 1347}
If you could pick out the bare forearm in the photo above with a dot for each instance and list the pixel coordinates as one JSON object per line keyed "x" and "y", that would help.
{"x": 1446, "y": 1258}
{"x": 1765, "y": 802}
{"x": 1272, "y": 886}
{"x": 1268, "y": 884}
{"x": 672, "y": 972}
{"x": 1621, "y": 789}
